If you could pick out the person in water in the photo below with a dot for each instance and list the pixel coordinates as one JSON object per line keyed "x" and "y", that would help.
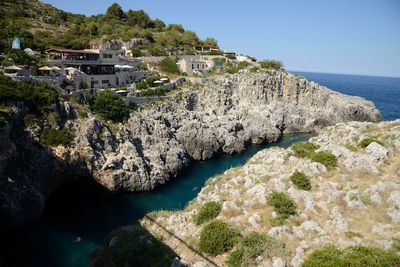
{"x": 78, "y": 239}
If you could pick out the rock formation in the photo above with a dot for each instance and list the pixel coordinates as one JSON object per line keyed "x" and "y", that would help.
{"x": 221, "y": 116}
{"x": 357, "y": 203}
{"x": 157, "y": 143}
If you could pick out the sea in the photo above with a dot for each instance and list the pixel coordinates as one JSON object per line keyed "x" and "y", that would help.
{"x": 81, "y": 214}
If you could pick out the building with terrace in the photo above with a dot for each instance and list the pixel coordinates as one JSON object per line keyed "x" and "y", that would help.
{"x": 96, "y": 68}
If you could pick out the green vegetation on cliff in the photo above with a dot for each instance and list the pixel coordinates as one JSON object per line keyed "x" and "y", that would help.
{"x": 133, "y": 246}
{"x": 358, "y": 256}
{"x": 217, "y": 237}
{"x": 41, "y": 26}
{"x": 254, "y": 245}
{"x": 208, "y": 211}
{"x": 38, "y": 97}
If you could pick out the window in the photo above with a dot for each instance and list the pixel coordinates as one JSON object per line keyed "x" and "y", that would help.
{"x": 105, "y": 81}
{"x": 107, "y": 55}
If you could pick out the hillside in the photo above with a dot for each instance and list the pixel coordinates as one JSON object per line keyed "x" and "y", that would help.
{"x": 288, "y": 207}
{"x": 41, "y": 26}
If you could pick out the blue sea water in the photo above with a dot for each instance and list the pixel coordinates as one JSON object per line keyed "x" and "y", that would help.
{"x": 383, "y": 91}
{"x": 86, "y": 210}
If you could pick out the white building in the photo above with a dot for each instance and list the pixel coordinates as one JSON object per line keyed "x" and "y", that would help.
{"x": 96, "y": 68}
{"x": 198, "y": 64}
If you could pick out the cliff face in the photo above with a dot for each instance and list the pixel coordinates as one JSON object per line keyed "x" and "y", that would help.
{"x": 220, "y": 116}
{"x": 157, "y": 143}
{"x": 355, "y": 203}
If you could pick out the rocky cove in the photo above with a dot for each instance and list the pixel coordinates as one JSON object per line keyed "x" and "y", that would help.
{"x": 159, "y": 142}
{"x": 355, "y": 203}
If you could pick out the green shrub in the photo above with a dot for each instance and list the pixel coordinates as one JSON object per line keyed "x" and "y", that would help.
{"x": 326, "y": 158}
{"x": 301, "y": 181}
{"x": 217, "y": 237}
{"x": 133, "y": 246}
{"x": 358, "y": 256}
{"x": 365, "y": 142}
{"x": 38, "y": 97}
{"x": 271, "y": 64}
{"x": 209, "y": 211}
{"x": 304, "y": 149}
{"x": 252, "y": 246}
{"x": 282, "y": 204}
{"x": 52, "y": 137}
{"x": 168, "y": 65}
{"x": 110, "y": 106}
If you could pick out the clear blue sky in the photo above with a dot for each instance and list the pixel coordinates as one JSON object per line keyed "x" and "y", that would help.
{"x": 337, "y": 36}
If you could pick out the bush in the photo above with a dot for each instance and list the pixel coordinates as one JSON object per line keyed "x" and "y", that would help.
{"x": 168, "y": 65}
{"x": 217, "y": 237}
{"x": 304, "y": 149}
{"x": 326, "y": 158}
{"x": 133, "y": 246}
{"x": 301, "y": 181}
{"x": 358, "y": 256}
{"x": 282, "y": 204}
{"x": 37, "y": 97}
{"x": 365, "y": 142}
{"x": 110, "y": 106}
{"x": 271, "y": 64}
{"x": 252, "y": 246}
{"x": 209, "y": 211}
{"x": 52, "y": 137}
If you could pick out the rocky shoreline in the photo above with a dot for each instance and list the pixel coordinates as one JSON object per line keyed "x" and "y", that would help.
{"x": 356, "y": 203}
{"x": 157, "y": 143}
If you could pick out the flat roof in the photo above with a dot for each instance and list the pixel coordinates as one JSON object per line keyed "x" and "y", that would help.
{"x": 62, "y": 50}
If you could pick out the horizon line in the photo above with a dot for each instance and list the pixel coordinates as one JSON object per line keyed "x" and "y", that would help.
{"x": 342, "y": 73}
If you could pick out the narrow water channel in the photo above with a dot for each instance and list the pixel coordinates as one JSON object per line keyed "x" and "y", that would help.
{"x": 83, "y": 210}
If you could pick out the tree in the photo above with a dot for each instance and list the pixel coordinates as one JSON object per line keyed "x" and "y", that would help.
{"x": 168, "y": 65}
{"x": 115, "y": 12}
{"x": 210, "y": 42}
{"x": 176, "y": 27}
{"x": 271, "y": 64}
{"x": 138, "y": 18}
{"x": 158, "y": 24}
{"x": 190, "y": 38}
{"x": 110, "y": 106}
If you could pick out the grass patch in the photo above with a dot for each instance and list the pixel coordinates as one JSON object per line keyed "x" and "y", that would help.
{"x": 301, "y": 181}
{"x": 282, "y": 204}
{"x": 304, "y": 149}
{"x": 52, "y": 137}
{"x": 217, "y": 237}
{"x": 326, "y": 158}
{"x": 208, "y": 211}
{"x": 365, "y": 142}
{"x": 358, "y": 256}
{"x": 252, "y": 246}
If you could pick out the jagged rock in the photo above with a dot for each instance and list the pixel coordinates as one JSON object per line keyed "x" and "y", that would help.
{"x": 377, "y": 151}
{"x": 159, "y": 142}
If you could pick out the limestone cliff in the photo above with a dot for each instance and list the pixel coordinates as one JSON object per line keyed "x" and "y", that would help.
{"x": 220, "y": 116}
{"x": 157, "y": 143}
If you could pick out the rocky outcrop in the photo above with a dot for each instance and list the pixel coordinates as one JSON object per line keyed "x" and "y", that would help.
{"x": 158, "y": 143}
{"x": 356, "y": 204}
{"x": 222, "y": 116}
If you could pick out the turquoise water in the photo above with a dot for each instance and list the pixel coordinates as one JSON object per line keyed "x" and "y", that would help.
{"x": 84, "y": 209}
{"x": 383, "y": 91}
